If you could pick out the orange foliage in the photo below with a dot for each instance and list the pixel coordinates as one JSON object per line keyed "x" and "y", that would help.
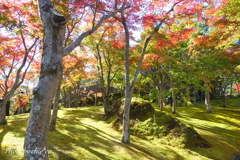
{"x": 237, "y": 88}
{"x": 21, "y": 100}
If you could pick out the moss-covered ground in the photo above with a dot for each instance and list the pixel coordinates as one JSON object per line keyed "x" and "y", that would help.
{"x": 82, "y": 133}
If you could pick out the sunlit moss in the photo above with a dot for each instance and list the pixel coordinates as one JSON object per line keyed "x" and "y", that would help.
{"x": 82, "y": 133}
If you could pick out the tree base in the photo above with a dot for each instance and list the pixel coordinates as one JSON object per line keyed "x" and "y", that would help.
{"x": 3, "y": 122}
{"x": 125, "y": 142}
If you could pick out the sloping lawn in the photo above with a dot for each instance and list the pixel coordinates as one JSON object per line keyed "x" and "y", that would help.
{"x": 83, "y": 134}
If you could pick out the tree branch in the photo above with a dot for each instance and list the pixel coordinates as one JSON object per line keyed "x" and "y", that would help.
{"x": 147, "y": 40}
{"x": 75, "y": 43}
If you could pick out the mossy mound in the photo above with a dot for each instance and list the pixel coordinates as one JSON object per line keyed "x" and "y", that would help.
{"x": 169, "y": 131}
{"x": 183, "y": 135}
{"x": 149, "y": 124}
{"x": 139, "y": 108}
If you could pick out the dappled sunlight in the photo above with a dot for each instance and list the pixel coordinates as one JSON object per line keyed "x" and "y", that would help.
{"x": 82, "y": 132}
{"x": 221, "y": 128}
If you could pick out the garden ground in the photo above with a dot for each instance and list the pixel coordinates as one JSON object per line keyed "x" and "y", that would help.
{"x": 82, "y": 133}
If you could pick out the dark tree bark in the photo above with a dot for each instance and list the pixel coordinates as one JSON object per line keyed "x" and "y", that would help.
{"x": 7, "y": 108}
{"x": 2, "y": 112}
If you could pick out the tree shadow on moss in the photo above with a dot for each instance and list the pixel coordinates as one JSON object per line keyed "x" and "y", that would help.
{"x": 3, "y": 151}
{"x": 88, "y": 141}
{"x": 220, "y": 128}
{"x": 16, "y": 125}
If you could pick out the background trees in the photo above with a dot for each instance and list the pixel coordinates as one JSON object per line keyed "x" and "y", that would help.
{"x": 19, "y": 45}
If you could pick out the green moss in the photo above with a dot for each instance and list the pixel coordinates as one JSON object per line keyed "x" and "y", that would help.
{"x": 4, "y": 122}
{"x": 148, "y": 129}
{"x": 81, "y": 133}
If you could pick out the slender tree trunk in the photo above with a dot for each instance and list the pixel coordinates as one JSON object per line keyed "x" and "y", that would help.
{"x": 129, "y": 88}
{"x": 65, "y": 98}
{"x": 95, "y": 95}
{"x": 2, "y": 112}
{"x": 174, "y": 109}
{"x": 160, "y": 102}
{"x": 53, "y": 121}
{"x": 50, "y": 76}
{"x": 103, "y": 86}
{"x": 128, "y": 92}
{"x": 105, "y": 104}
{"x": 202, "y": 96}
{"x": 223, "y": 96}
{"x": 159, "y": 97}
{"x": 76, "y": 94}
{"x": 126, "y": 117}
{"x": 207, "y": 102}
{"x": 69, "y": 98}
{"x": 8, "y": 107}
{"x": 195, "y": 96}
{"x": 231, "y": 89}
{"x": 188, "y": 99}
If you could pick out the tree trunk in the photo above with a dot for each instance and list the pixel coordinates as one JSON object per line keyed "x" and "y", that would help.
{"x": 129, "y": 88}
{"x": 53, "y": 121}
{"x": 224, "y": 97}
{"x": 159, "y": 87}
{"x": 195, "y": 96}
{"x": 64, "y": 98}
{"x": 202, "y": 95}
{"x": 207, "y": 102}
{"x": 69, "y": 98}
{"x": 50, "y": 77}
{"x": 231, "y": 89}
{"x": 174, "y": 109}
{"x": 95, "y": 99}
{"x": 105, "y": 104}
{"x": 160, "y": 102}
{"x": 126, "y": 117}
{"x": 2, "y": 112}
{"x": 8, "y": 107}
{"x": 188, "y": 97}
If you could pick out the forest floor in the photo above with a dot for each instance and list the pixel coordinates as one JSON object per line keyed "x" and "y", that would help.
{"x": 83, "y": 134}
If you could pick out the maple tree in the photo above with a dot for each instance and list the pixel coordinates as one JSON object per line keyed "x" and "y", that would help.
{"x": 20, "y": 102}
{"x": 18, "y": 44}
{"x": 108, "y": 53}
{"x": 154, "y": 21}
{"x": 54, "y": 25}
